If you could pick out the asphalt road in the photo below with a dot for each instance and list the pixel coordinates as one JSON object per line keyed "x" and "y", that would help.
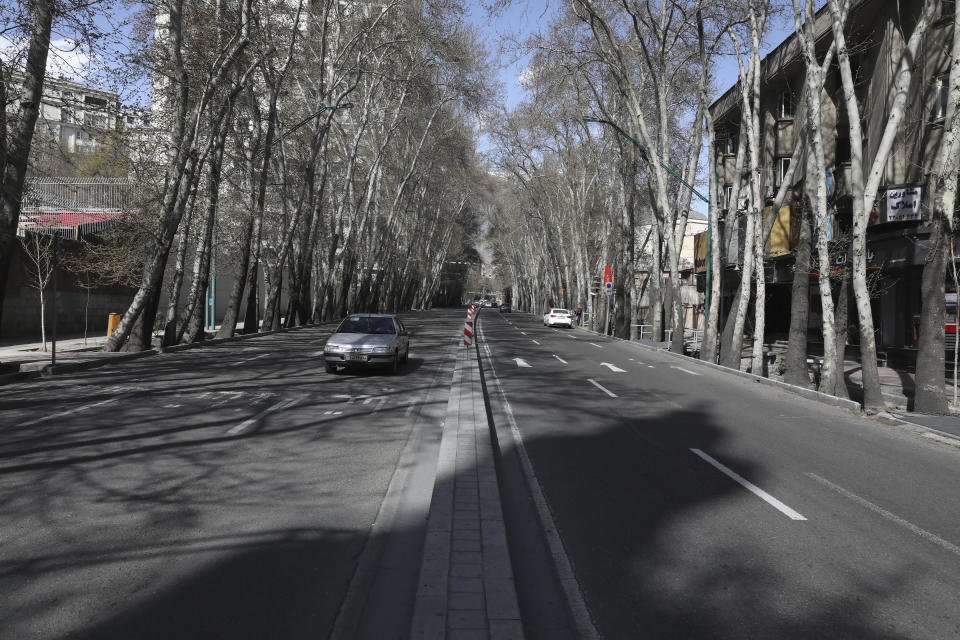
{"x": 694, "y": 504}
{"x": 222, "y": 492}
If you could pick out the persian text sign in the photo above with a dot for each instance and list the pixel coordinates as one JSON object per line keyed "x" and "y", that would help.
{"x": 903, "y": 204}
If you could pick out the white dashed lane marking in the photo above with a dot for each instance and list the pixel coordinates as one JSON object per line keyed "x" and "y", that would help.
{"x": 602, "y": 388}
{"x": 246, "y": 424}
{"x": 74, "y": 410}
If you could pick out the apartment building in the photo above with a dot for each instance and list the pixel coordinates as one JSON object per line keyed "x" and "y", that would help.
{"x": 897, "y": 235}
{"x": 72, "y": 118}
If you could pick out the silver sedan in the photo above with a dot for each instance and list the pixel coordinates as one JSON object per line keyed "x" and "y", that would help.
{"x": 368, "y": 340}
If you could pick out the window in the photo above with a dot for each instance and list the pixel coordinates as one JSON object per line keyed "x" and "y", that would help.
{"x": 843, "y": 150}
{"x": 730, "y": 144}
{"x": 948, "y": 8}
{"x": 783, "y": 164}
{"x": 93, "y": 101}
{"x": 64, "y": 114}
{"x": 727, "y": 196}
{"x": 94, "y": 120}
{"x": 785, "y": 105}
{"x": 942, "y": 95}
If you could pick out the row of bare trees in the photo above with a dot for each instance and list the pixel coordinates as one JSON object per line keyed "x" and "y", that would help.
{"x": 578, "y": 198}
{"x": 322, "y": 147}
{"x": 323, "y": 153}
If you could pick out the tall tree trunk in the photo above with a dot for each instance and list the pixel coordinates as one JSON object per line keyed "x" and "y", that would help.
{"x": 931, "y": 352}
{"x": 930, "y": 397}
{"x": 731, "y": 357}
{"x": 795, "y": 360}
{"x": 865, "y": 188}
{"x": 842, "y": 323}
{"x": 16, "y": 140}
{"x": 232, "y": 312}
{"x": 170, "y": 333}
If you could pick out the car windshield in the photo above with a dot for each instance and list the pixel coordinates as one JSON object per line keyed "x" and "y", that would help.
{"x": 367, "y": 324}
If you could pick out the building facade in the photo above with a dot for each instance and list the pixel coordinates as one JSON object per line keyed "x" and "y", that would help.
{"x": 898, "y": 233}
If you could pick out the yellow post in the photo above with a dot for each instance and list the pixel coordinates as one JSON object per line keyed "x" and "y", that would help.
{"x": 113, "y": 320}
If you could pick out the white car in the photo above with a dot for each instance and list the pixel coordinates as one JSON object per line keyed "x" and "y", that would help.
{"x": 558, "y": 318}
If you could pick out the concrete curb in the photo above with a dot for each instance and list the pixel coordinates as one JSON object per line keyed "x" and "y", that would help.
{"x": 921, "y": 429}
{"x": 30, "y": 371}
{"x": 810, "y": 394}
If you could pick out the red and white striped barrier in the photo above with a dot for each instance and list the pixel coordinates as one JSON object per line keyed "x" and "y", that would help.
{"x": 468, "y": 327}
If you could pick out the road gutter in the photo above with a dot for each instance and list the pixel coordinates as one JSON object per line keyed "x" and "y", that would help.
{"x": 406, "y": 500}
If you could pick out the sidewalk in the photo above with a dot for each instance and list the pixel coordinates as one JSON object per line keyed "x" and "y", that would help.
{"x": 466, "y": 589}
{"x": 897, "y": 386}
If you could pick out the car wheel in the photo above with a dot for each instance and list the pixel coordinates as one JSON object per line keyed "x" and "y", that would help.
{"x": 406, "y": 355}
{"x": 331, "y": 368}
{"x": 395, "y": 365}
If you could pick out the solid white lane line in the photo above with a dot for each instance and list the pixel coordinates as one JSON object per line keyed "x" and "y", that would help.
{"x": 752, "y": 488}
{"x": 559, "y": 358}
{"x": 243, "y": 426}
{"x": 535, "y": 342}
{"x": 906, "y": 524}
{"x": 602, "y": 388}
{"x": 74, "y": 410}
{"x": 693, "y": 373}
{"x": 571, "y": 587}
{"x": 596, "y": 345}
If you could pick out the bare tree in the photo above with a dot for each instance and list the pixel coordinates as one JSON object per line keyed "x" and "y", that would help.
{"x": 864, "y": 184}
{"x": 38, "y": 250}
{"x": 35, "y": 19}
{"x": 930, "y": 397}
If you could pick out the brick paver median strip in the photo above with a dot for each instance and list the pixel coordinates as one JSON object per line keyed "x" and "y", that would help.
{"x": 466, "y": 540}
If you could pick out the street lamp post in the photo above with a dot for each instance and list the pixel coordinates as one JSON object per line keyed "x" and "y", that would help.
{"x": 210, "y": 302}
{"x": 644, "y": 153}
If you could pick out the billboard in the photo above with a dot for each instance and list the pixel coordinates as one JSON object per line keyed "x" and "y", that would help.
{"x": 700, "y": 247}
{"x": 779, "y": 242}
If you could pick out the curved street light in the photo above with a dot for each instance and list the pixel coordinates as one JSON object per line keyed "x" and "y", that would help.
{"x": 646, "y": 156}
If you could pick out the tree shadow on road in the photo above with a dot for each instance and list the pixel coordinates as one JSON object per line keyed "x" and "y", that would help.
{"x": 665, "y": 546}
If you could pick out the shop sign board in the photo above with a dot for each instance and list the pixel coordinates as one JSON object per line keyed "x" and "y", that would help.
{"x": 903, "y": 203}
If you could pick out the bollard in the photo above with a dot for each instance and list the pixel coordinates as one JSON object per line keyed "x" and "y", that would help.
{"x": 468, "y": 327}
{"x": 113, "y": 319}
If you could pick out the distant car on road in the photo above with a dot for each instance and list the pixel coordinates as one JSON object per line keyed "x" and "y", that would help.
{"x": 490, "y": 303}
{"x": 368, "y": 340}
{"x": 505, "y": 308}
{"x": 558, "y": 318}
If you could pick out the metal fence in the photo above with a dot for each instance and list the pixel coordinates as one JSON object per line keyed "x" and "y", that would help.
{"x": 74, "y": 206}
